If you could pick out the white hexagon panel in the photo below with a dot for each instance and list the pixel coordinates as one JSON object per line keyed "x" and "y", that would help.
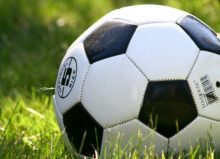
{"x": 204, "y": 81}
{"x": 200, "y": 130}
{"x": 163, "y": 51}
{"x": 69, "y": 81}
{"x": 129, "y": 133}
{"x": 113, "y": 90}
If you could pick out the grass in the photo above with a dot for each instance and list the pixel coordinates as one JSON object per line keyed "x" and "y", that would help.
{"x": 136, "y": 151}
{"x": 34, "y": 134}
{"x": 34, "y": 36}
{"x": 42, "y": 138}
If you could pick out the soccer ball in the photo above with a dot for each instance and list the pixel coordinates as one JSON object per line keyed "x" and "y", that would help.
{"x": 147, "y": 68}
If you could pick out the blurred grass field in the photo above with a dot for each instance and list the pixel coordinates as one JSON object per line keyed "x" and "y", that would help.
{"x": 34, "y": 36}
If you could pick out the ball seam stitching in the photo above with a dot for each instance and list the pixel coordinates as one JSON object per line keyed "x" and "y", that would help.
{"x": 83, "y": 83}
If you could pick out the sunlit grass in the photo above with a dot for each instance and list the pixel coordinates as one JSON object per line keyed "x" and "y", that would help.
{"x": 28, "y": 129}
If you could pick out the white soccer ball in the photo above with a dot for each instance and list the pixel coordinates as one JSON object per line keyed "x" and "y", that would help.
{"x": 135, "y": 65}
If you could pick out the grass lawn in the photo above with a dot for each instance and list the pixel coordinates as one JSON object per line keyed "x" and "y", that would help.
{"x": 34, "y": 36}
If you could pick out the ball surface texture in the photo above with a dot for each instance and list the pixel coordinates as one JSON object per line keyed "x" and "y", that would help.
{"x": 147, "y": 68}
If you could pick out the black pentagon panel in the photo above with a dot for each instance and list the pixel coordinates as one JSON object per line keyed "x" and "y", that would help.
{"x": 109, "y": 40}
{"x": 205, "y": 38}
{"x": 82, "y": 130}
{"x": 168, "y": 105}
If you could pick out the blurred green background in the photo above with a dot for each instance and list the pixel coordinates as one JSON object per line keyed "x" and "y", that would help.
{"x": 34, "y": 34}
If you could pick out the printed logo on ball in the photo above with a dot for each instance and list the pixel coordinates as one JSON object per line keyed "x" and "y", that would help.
{"x": 207, "y": 94}
{"x": 67, "y": 77}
